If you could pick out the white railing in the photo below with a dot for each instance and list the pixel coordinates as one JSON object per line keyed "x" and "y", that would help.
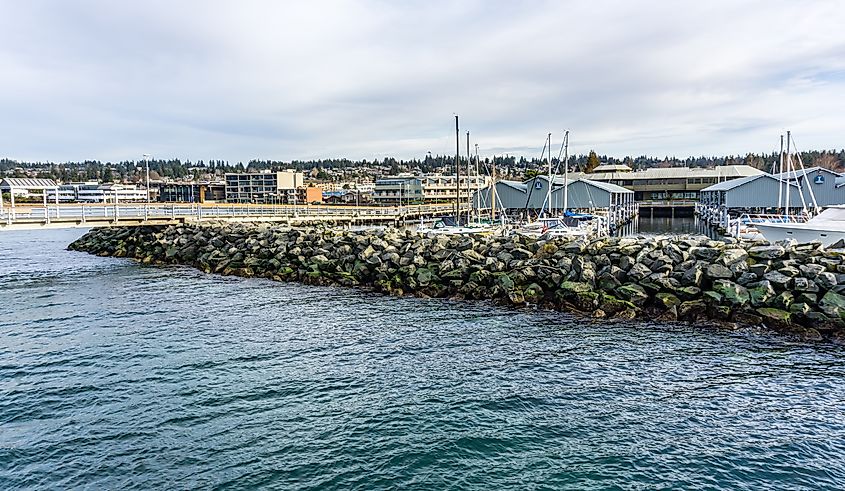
{"x": 159, "y": 211}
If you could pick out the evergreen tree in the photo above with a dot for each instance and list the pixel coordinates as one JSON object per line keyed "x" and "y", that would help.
{"x": 592, "y": 162}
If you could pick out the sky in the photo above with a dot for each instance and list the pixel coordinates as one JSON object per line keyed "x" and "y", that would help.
{"x": 284, "y": 80}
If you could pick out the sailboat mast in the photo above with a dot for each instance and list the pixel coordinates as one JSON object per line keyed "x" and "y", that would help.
{"x": 469, "y": 191}
{"x": 779, "y": 166}
{"x": 565, "y": 171}
{"x": 493, "y": 192}
{"x": 477, "y": 185}
{"x": 549, "y": 190}
{"x": 788, "y": 168}
{"x": 457, "y": 170}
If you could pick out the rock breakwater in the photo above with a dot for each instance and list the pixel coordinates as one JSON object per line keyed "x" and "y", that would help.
{"x": 793, "y": 288}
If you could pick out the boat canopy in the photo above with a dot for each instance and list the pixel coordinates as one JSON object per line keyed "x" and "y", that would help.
{"x": 830, "y": 215}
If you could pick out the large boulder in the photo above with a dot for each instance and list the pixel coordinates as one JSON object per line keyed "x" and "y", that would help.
{"x": 732, "y": 293}
{"x": 718, "y": 271}
{"x": 775, "y": 318}
{"x": 778, "y": 279}
{"x": 638, "y": 271}
{"x": 766, "y": 252}
{"x": 826, "y": 280}
{"x": 833, "y": 305}
{"x": 633, "y": 293}
{"x": 731, "y": 256}
{"x": 761, "y": 292}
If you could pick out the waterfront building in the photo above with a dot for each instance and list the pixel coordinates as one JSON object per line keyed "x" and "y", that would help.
{"x": 582, "y": 194}
{"x": 823, "y": 186}
{"x": 667, "y": 184}
{"x": 441, "y": 187}
{"x": 192, "y": 192}
{"x": 347, "y": 197}
{"x": 263, "y": 187}
{"x": 753, "y": 193}
{"x": 398, "y": 190}
{"x": 95, "y": 192}
{"x": 434, "y": 188}
{"x": 309, "y": 195}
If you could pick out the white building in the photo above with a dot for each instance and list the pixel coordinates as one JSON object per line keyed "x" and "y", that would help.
{"x": 94, "y": 192}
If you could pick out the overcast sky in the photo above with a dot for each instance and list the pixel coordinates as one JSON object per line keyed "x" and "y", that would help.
{"x": 237, "y": 80}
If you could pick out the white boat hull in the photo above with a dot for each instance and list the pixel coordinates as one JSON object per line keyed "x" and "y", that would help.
{"x": 800, "y": 232}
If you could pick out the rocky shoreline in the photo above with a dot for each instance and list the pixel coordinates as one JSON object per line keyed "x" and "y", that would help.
{"x": 798, "y": 289}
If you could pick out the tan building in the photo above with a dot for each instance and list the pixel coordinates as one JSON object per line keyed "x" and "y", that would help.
{"x": 668, "y": 183}
{"x": 309, "y": 195}
{"x": 429, "y": 188}
{"x": 439, "y": 187}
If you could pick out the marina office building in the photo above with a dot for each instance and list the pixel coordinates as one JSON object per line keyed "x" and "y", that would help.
{"x": 669, "y": 183}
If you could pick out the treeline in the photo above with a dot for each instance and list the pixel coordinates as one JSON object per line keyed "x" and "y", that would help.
{"x": 133, "y": 170}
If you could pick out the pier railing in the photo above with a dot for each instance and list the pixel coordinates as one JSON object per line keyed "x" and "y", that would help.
{"x": 136, "y": 213}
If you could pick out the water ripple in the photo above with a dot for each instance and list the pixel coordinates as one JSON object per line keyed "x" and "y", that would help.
{"x": 119, "y": 375}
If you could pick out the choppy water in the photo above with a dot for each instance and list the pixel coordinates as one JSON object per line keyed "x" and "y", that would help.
{"x": 118, "y": 376}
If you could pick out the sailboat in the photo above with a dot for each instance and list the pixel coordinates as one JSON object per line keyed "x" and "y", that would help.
{"x": 453, "y": 225}
{"x": 748, "y": 226}
{"x": 568, "y": 224}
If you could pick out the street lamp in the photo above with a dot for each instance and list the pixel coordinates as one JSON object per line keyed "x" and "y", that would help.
{"x": 147, "y": 165}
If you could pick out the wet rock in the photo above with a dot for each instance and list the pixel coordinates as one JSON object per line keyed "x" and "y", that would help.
{"x": 667, "y": 300}
{"x": 778, "y": 279}
{"x": 761, "y": 292}
{"x": 718, "y": 271}
{"x": 733, "y": 293}
{"x": 826, "y": 280}
{"x": 505, "y": 281}
{"x": 692, "y": 309}
{"x": 766, "y": 252}
{"x": 746, "y": 278}
{"x": 775, "y": 318}
{"x": 705, "y": 253}
{"x": 731, "y": 256}
{"x": 833, "y": 305}
{"x": 633, "y": 293}
{"x": 638, "y": 271}
{"x": 657, "y": 277}
{"x": 811, "y": 271}
{"x": 688, "y": 292}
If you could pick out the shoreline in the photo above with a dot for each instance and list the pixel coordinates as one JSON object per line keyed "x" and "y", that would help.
{"x": 797, "y": 290}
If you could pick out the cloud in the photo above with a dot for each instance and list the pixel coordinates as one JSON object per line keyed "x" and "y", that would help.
{"x": 282, "y": 80}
